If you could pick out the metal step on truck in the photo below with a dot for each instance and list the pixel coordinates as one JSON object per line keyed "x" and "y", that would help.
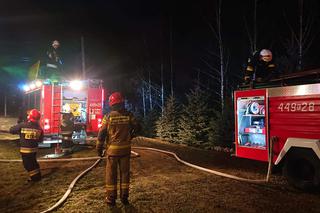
{"x": 282, "y": 124}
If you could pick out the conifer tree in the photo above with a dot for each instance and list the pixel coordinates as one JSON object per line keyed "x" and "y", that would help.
{"x": 194, "y": 121}
{"x": 149, "y": 122}
{"x": 222, "y": 127}
{"x": 167, "y": 124}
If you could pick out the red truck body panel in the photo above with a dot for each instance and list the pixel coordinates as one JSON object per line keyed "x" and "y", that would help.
{"x": 295, "y": 117}
{"x": 290, "y": 112}
{"x": 96, "y": 99}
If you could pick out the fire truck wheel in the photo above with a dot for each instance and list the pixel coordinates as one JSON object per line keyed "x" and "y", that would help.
{"x": 302, "y": 169}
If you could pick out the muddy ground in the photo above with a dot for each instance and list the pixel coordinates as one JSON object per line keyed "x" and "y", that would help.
{"x": 159, "y": 184}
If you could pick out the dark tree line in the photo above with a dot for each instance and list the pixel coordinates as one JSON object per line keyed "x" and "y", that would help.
{"x": 203, "y": 116}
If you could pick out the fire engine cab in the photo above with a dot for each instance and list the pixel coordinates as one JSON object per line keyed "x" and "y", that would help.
{"x": 83, "y": 100}
{"x": 281, "y": 124}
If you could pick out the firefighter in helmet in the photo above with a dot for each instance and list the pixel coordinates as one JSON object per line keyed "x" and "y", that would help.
{"x": 30, "y": 135}
{"x": 53, "y": 54}
{"x": 260, "y": 67}
{"x": 54, "y": 62}
{"x": 117, "y": 130}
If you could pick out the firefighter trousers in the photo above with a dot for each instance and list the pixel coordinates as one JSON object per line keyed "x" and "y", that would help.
{"x": 113, "y": 163}
{"x": 30, "y": 163}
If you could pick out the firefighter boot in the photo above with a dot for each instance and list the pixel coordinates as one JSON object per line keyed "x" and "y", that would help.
{"x": 125, "y": 201}
{"x": 111, "y": 202}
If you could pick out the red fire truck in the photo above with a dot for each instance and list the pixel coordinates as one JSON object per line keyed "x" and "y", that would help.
{"x": 284, "y": 123}
{"x": 83, "y": 99}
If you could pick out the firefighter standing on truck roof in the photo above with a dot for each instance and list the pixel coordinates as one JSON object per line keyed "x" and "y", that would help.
{"x": 260, "y": 67}
{"x": 30, "y": 135}
{"x": 54, "y": 62}
{"x": 118, "y": 128}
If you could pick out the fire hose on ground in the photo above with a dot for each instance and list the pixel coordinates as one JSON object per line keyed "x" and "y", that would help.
{"x": 202, "y": 168}
{"x": 72, "y": 184}
{"x": 66, "y": 194}
{"x": 64, "y": 197}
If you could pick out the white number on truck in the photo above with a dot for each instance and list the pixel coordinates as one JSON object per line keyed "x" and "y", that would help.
{"x": 295, "y": 107}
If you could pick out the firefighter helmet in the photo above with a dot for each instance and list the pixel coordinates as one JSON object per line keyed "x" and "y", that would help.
{"x": 265, "y": 55}
{"x": 115, "y": 98}
{"x": 55, "y": 43}
{"x": 34, "y": 115}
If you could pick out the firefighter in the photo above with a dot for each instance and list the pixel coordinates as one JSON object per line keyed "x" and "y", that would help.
{"x": 53, "y": 54}
{"x": 30, "y": 135}
{"x": 67, "y": 128}
{"x": 260, "y": 67}
{"x": 54, "y": 62}
{"x": 118, "y": 128}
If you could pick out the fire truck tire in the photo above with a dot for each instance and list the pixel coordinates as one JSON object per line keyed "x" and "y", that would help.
{"x": 302, "y": 169}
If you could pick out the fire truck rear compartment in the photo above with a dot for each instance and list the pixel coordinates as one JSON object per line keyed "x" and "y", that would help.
{"x": 54, "y": 100}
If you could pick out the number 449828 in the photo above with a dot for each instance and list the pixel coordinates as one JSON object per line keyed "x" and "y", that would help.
{"x": 294, "y": 107}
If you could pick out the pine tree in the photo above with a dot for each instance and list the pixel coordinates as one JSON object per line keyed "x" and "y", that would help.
{"x": 222, "y": 127}
{"x": 215, "y": 136}
{"x": 194, "y": 121}
{"x": 167, "y": 124}
{"x": 149, "y": 122}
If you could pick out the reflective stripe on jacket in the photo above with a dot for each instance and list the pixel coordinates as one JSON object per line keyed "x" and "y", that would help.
{"x": 30, "y": 135}
{"x": 28, "y": 150}
{"x": 117, "y": 130}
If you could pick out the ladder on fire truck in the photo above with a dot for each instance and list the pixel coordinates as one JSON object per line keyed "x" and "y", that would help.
{"x": 56, "y": 107}
{"x": 56, "y": 90}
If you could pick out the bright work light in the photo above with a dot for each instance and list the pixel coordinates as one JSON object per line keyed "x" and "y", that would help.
{"x": 26, "y": 88}
{"x": 76, "y": 85}
{"x": 32, "y": 86}
{"x": 38, "y": 83}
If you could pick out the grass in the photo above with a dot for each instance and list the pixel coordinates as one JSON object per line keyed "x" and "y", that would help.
{"x": 158, "y": 184}
{"x": 9, "y": 149}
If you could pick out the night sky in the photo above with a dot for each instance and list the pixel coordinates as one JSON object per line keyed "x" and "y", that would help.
{"x": 123, "y": 36}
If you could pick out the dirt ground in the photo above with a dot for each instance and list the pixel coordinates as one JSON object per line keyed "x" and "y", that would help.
{"x": 158, "y": 184}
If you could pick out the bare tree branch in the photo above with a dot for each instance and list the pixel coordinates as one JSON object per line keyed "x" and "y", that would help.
{"x": 290, "y": 28}
{"x": 208, "y": 74}
{"x": 248, "y": 33}
{"x": 214, "y": 54}
{"x": 209, "y": 65}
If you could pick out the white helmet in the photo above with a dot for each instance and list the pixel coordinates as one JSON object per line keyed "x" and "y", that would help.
{"x": 55, "y": 44}
{"x": 265, "y": 55}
